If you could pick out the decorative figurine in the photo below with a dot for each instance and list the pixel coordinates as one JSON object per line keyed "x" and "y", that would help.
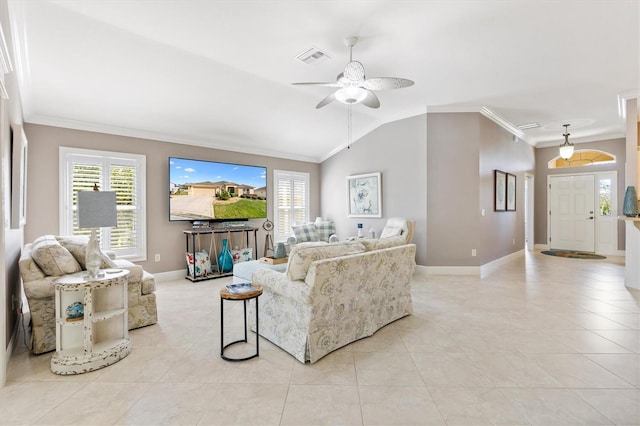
{"x": 75, "y": 311}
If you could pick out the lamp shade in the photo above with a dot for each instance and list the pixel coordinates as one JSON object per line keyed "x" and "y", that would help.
{"x": 566, "y": 151}
{"x": 97, "y": 209}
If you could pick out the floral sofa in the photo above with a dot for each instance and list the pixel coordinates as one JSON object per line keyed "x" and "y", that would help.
{"x": 49, "y": 257}
{"x": 335, "y": 293}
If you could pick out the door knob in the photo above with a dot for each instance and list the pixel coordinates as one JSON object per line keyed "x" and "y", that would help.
{"x": 591, "y": 217}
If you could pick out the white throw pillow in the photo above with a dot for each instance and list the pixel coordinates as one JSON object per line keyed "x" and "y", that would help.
{"x": 390, "y": 232}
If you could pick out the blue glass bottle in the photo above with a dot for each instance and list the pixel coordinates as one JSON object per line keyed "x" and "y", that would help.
{"x": 225, "y": 259}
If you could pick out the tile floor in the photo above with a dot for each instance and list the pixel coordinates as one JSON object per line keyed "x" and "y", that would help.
{"x": 543, "y": 340}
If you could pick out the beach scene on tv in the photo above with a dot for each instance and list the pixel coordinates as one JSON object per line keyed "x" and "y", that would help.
{"x": 207, "y": 190}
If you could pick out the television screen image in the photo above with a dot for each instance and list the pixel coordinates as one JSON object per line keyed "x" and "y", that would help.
{"x": 214, "y": 191}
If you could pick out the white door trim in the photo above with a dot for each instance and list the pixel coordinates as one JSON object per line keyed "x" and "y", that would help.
{"x": 529, "y": 213}
{"x": 596, "y": 189}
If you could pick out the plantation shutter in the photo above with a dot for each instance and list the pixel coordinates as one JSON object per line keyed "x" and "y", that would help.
{"x": 122, "y": 173}
{"x": 291, "y": 201}
{"x": 122, "y": 178}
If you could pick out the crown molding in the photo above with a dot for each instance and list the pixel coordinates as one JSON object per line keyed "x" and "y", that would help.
{"x": 228, "y": 145}
{"x": 5, "y": 60}
{"x": 622, "y": 105}
{"x": 487, "y": 112}
{"x": 5, "y": 64}
{"x": 507, "y": 125}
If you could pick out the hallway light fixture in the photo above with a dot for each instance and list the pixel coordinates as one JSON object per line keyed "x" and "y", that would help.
{"x": 566, "y": 149}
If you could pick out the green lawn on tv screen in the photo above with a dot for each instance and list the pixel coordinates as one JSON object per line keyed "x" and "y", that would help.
{"x": 241, "y": 209}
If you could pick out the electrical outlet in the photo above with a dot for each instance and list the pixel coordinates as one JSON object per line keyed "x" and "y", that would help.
{"x": 514, "y": 241}
{"x": 157, "y": 257}
{"x": 474, "y": 252}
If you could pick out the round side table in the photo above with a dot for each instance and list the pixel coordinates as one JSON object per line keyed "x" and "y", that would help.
{"x": 225, "y": 294}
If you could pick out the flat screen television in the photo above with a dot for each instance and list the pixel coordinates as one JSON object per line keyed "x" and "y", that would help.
{"x": 201, "y": 190}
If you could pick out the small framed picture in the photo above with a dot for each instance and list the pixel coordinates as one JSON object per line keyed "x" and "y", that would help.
{"x": 511, "y": 192}
{"x": 365, "y": 197}
{"x": 500, "y": 190}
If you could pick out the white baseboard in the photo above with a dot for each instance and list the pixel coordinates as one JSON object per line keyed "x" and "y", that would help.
{"x": 541, "y": 247}
{"x": 10, "y": 347}
{"x": 488, "y": 268}
{"x": 170, "y": 275}
{"x": 448, "y": 270}
{"x": 480, "y": 271}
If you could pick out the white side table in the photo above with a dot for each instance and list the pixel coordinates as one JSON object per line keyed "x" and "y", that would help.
{"x": 101, "y": 338}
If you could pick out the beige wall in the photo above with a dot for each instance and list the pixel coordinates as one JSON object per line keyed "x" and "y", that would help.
{"x": 398, "y": 151}
{"x": 437, "y": 169}
{"x": 452, "y": 189}
{"x": 163, "y": 237}
{"x": 464, "y": 149}
{"x": 502, "y": 232}
{"x": 544, "y": 155}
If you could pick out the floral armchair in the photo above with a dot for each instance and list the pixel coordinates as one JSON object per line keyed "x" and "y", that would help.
{"x": 50, "y": 257}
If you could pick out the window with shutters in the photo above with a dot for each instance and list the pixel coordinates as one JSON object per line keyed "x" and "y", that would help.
{"x": 123, "y": 173}
{"x": 291, "y": 201}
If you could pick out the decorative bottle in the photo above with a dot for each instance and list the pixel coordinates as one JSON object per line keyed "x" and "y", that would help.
{"x": 225, "y": 259}
{"x": 630, "y": 207}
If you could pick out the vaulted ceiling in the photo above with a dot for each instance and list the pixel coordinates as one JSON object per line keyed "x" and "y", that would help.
{"x": 219, "y": 73}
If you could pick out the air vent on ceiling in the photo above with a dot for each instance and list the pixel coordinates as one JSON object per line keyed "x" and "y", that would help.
{"x": 313, "y": 55}
{"x": 529, "y": 126}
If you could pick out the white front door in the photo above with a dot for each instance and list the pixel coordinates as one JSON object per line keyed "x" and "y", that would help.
{"x": 572, "y": 212}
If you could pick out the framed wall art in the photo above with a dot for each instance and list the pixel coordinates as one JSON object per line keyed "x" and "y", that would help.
{"x": 364, "y": 195}
{"x": 511, "y": 192}
{"x": 18, "y": 177}
{"x": 500, "y": 190}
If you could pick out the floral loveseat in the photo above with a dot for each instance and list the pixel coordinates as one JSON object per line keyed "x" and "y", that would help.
{"x": 49, "y": 257}
{"x": 335, "y": 293}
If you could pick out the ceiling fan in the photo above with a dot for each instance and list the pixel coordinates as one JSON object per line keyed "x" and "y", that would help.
{"x": 354, "y": 87}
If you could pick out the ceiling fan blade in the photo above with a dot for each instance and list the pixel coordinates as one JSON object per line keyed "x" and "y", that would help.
{"x": 327, "y": 100}
{"x": 371, "y": 100}
{"x": 334, "y": 84}
{"x": 386, "y": 83}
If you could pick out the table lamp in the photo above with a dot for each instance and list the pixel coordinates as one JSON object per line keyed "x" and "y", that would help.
{"x": 96, "y": 209}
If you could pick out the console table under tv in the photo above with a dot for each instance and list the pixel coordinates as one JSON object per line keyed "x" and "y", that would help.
{"x": 213, "y": 244}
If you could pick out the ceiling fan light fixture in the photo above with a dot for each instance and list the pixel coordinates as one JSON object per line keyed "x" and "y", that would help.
{"x": 351, "y": 95}
{"x": 566, "y": 149}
